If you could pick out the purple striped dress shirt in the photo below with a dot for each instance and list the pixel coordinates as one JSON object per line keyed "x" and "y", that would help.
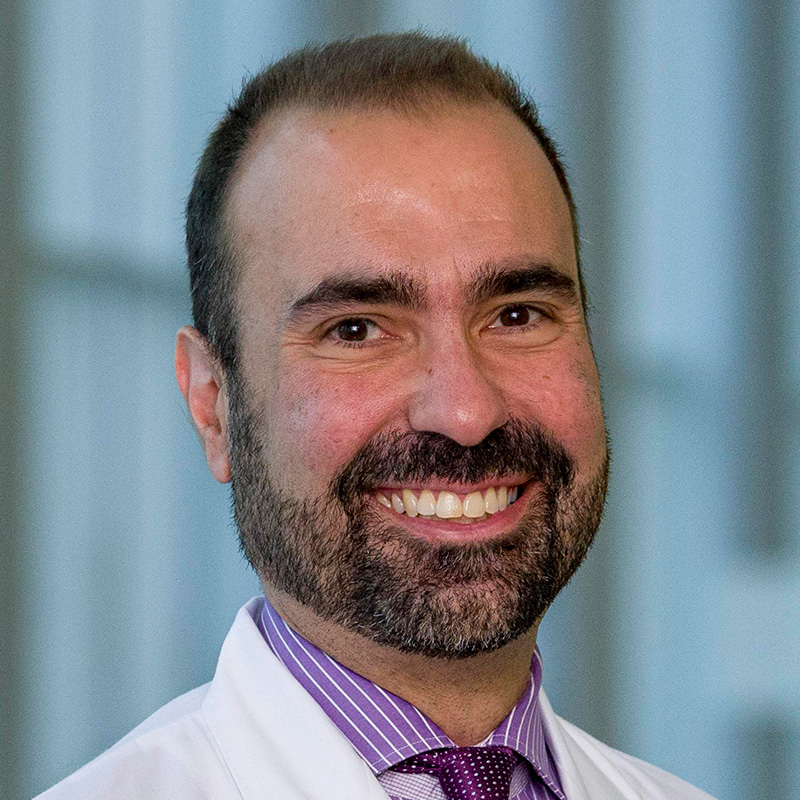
{"x": 385, "y": 729}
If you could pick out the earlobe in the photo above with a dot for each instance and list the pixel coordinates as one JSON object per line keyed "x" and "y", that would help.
{"x": 200, "y": 379}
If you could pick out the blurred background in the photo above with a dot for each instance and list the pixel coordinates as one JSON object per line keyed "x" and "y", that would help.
{"x": 679, "y": 641}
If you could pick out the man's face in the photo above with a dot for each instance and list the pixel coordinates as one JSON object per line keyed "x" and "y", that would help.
{"x": 413, "y": 355}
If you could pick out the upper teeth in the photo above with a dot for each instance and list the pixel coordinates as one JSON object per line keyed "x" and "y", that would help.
{"x": 447, "y": 505}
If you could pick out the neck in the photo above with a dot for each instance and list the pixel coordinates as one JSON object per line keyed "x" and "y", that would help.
{"x": 467, "y": 698}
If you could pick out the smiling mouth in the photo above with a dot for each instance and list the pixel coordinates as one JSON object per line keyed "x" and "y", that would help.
{"x": 444, "y": 505}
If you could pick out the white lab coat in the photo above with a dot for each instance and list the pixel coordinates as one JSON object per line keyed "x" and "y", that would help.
{"x": 254, "y": 733}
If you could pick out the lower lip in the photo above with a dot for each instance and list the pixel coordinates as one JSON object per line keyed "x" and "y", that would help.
{"x": 442, "y": 530}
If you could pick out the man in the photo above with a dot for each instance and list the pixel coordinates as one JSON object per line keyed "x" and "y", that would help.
{"x": 391, "y": 364}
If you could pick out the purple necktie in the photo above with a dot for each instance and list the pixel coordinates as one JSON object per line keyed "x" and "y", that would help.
{"x": 467, "y": 773}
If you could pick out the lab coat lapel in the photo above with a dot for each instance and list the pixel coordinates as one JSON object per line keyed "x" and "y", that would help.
{"x": 586, "y": 773}
{"x": 277, "y": 742}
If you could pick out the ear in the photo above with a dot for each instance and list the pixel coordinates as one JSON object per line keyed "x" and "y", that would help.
{"x": 200, "y": 379}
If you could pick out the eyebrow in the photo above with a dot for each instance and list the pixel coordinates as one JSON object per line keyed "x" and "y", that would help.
{"x": 397, "y": 289}
{"x": 392, "y": 289}
{"x": 496, "y": 280}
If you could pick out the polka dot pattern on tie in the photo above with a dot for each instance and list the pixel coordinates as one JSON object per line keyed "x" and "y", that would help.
{"x": 467, "y": 773}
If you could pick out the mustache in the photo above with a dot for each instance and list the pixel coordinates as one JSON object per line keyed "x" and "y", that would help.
{"x": 516, "y": 448}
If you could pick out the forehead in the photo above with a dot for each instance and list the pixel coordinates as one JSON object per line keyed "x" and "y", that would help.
{"x": 319, "y": 194}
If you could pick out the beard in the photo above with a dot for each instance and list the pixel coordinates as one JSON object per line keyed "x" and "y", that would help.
{"x": 342, "y": 559}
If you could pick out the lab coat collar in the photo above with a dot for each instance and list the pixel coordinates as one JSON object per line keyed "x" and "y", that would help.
{"x": 278, "y": 742}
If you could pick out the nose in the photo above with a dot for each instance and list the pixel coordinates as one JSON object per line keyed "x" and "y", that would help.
{"x": 455, "y": 395}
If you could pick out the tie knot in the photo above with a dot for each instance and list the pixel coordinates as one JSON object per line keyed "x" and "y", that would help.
{"x": 467, "y": 773}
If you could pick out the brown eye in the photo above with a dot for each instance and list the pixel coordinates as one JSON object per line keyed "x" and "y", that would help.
{"x": 514, "y": 316}
{"x": 353, "y": 330}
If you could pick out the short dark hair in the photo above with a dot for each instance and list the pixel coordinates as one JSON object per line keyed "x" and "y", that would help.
{"x": 406, "y": 72}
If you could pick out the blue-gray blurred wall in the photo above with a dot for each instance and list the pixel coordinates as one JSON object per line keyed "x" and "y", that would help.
{"x": 679, "y": 641}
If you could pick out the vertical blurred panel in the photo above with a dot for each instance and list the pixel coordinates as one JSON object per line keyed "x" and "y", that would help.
{"x": 791, "y": 232}
{"x": 12, "y": 482}
{"x": 762, "y": 630}
{"x": 676, "y": 304}
{"x": 790, "y": 33}
{"x": 768, "y": 398}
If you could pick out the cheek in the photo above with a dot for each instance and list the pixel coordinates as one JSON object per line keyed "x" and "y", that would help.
{"x": 564, "y": 396}
{"x": 321, "y": 421}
